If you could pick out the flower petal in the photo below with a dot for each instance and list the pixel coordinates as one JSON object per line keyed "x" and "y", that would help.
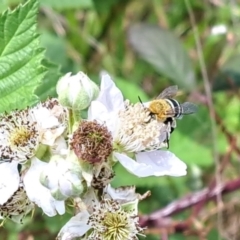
{"x": 9, "y": 180}
{"x": 122, "y": 194}
{"x": 163, "y": 163}
{"x": 39, "y": 194}
{"x": 97, "y": 111}
{"x": 62, "y": 177}
{"x": 155, "y": 163}
{"x": 75, "y": 227}
{"x": 109, "y": 94}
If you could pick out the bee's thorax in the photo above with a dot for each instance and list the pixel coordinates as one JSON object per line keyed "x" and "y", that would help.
{"x": 159, "y": 108}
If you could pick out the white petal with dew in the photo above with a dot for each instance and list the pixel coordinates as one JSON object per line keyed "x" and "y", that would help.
{"x": 75, "y": 227}
{"x": 39, "y": 194}
{"x": 109, "y": 94}
{"x": 155, "y": 163}
{"x": 9, "y": 180}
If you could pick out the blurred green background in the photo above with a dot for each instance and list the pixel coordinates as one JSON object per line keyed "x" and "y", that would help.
{"x": 146, "y": 46}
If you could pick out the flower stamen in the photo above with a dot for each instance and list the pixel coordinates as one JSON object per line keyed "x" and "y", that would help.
{"x": 138, "y": 131}
{"x": 109, "y": 221}
{"x": 19, "y": 136}
{"x": 92, "y": 142}
{"x": 17, "y": 206}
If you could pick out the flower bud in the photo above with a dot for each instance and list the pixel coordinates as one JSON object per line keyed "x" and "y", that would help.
{"x": 63, "y": 178}
{"x": 76, "y": 91}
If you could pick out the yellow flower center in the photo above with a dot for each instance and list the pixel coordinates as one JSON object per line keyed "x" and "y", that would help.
{"x": 20, "y": 136}
{"x": 116, "y": 226}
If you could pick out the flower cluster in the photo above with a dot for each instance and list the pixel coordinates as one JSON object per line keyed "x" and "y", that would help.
{"x": 50, "y": 156}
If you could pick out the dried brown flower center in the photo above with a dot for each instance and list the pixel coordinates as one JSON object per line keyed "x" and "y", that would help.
{"x": 92, "y": 142}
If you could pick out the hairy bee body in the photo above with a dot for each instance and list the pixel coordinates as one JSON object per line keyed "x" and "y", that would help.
{"x": 166, "y": 109}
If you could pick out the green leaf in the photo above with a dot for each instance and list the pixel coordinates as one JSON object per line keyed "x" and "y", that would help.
{"x": 164, "y": 52}
{"x": 228, "y": 110}
{"x": 228, "y": 77}
{"x": 20, "y": 57}
{"x": 4, "y": 4}
{"x": 67, "y": 4}
{"x": 192, "y": 141}
{"x": 130, "y": 90}
{"x": 48, "y": 87}
{"x": 55, "y": 47}
{"x": 103, "y": 8}
{"x": 189, "y": 151}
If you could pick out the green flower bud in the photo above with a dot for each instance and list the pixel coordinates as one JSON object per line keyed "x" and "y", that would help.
{"x": 77, "y": 91}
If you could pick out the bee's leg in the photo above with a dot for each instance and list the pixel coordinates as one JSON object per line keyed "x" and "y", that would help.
{"x": 167, "y": 141}
{"x": 169, "y": 131}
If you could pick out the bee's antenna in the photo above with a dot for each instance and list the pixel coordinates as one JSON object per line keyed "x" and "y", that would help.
{"x": 140, "y": 100}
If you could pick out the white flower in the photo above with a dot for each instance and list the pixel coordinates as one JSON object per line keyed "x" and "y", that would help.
{"x": 39, "y": 194}
{"x": 106, "y": 219}
{"x": 51, "y": 119}
{"x": 29, "y": 192}
{"x": 19, "y": 136}
{"x": 111, "y": 220}
{"x": 134, "y": 131}
{"x": 22, "y": 132}
{"x": 62, "y": 177}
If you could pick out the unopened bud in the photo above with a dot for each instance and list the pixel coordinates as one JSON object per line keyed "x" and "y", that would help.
{"x": 63, "y": 178}
{"x": 77, "y": 91}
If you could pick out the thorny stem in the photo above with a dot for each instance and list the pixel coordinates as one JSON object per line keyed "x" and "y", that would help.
{"x": 232, "y": 146}
{"x": 160, "y": 218}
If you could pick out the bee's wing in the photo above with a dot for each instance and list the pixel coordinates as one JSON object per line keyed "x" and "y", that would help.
{"x": 168, "y": 92}
{"x": 189, "y": 108}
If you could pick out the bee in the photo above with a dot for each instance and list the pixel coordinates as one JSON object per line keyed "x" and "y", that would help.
{"x": 166, "y": 109}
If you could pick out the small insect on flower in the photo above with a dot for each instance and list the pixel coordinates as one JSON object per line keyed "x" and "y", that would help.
{"x": 165, "y": 109}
